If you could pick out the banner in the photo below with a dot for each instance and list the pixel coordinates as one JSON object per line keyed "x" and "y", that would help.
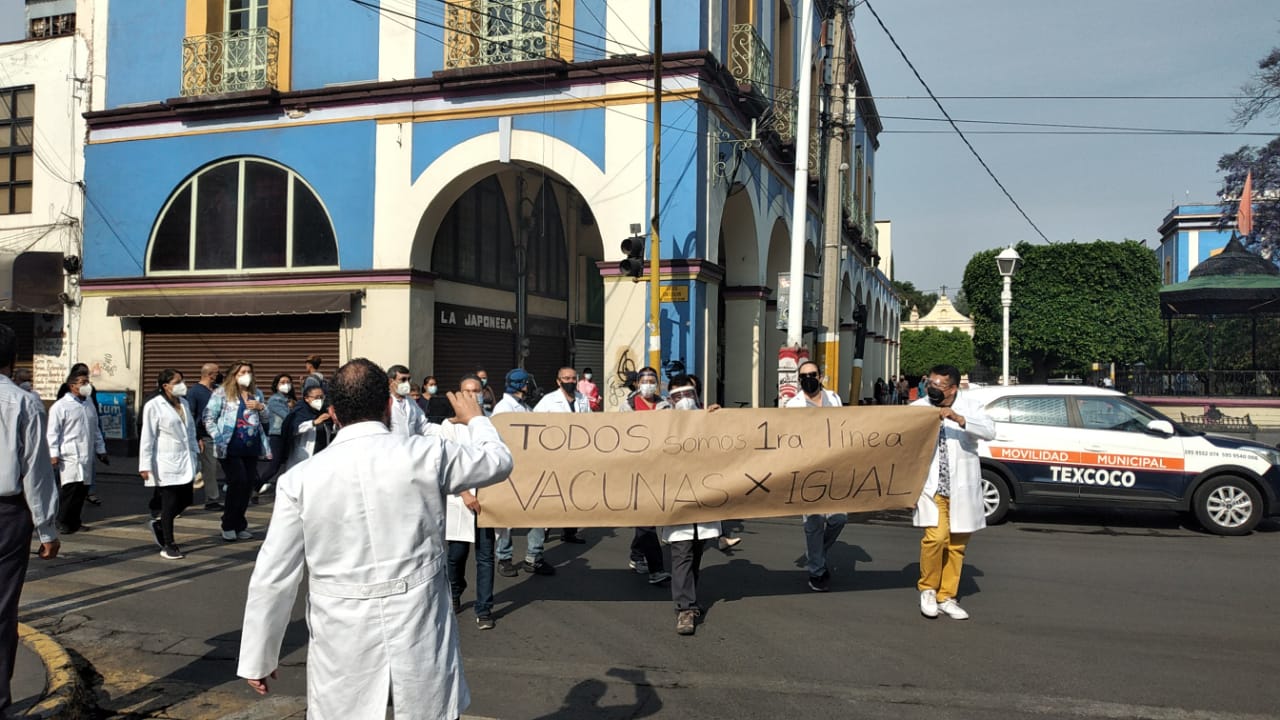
{"x": 674, "y": 467}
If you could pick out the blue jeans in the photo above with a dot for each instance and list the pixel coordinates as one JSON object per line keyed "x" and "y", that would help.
{"x": 533, "y": 550}
{"x": 820, "y": 533}
{"x": 458, "y": 552}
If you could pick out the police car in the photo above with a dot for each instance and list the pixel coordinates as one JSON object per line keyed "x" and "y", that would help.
{"x": 1084, "y": 446}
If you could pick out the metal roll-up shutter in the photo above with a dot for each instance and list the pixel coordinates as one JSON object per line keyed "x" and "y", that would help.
{"x": 589, "y": 354}
{"x": 274, "y": 345}
{"x": 459, "y": 350}
{"x": 546, "y": 356}
{"x": 23, "y": 326}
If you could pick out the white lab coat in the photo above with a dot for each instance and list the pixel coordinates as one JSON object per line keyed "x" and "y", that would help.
{"x": 509, "y": 403}
{"x": 407, "y": 419}
{"x": 966, "y": 514}
{"x": 366, "y": 521}
{"x": 304, "y": 442}
{"x": 557, "y": 402}
{"x": 167, "y": 447}
{"x": 74, "y": 437}
{"x": 799, "y": 400}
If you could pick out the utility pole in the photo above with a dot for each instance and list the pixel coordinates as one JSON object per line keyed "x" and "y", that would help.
{"x": 831, "y": 225}
{"x": 655, "y": 242}
{"x": 800, "y": 199}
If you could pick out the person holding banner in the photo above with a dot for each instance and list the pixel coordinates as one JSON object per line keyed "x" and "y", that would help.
{"x": 565, "y": 399}
{"x": 950, "y": 506}
{"x": 820, "y": 530}
{"x": 513, "y": 400}
{"x": 646, "y": 552}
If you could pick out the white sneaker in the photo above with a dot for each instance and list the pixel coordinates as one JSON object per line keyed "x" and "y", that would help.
{"x": 929, "y": 603}
{"x": 953, "y": 610}
{"x": 229, "y": 535}
{"x": 244, "y": 535}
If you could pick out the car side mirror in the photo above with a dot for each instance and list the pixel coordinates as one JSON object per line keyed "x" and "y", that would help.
{"x": 1160, "y": 427}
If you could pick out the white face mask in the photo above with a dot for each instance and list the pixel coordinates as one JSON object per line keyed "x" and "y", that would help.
{"x": 86, "y": 390}
{"x": 403, "y": 389}
{"x": 316, "y": 404}
{"x": 245, "y": 380}
{"x": 179, "y": 390}
{"x": 648, "y": 389}
{"x": 587, "y": 376}
{"x": 431, "y": 389}
{"x": 686, "y": 403}
{"x": 285, "y": 388}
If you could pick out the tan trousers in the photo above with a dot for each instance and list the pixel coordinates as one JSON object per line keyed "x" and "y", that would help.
{"x": 942, "y": 554}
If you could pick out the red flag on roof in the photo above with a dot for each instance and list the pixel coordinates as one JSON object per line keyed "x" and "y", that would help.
{"x": 1244, "y": 216}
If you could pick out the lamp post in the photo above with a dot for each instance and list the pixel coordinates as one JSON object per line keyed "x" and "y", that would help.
{"x": 1008, "y": 261}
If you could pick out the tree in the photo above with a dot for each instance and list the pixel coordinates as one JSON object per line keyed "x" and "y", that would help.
{"x": 1073, "y": 304}
{"x": 911, "y": 297}
{"x": 1261, "y": 97}
{"x": 922, "y": 349}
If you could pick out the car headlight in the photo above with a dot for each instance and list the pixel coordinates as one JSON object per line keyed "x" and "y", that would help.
{"x": 1271, "y": 455}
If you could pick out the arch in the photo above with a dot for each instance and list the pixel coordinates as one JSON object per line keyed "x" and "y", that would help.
{"x": 739, "y": 337}
{"x": 739, "y": 251}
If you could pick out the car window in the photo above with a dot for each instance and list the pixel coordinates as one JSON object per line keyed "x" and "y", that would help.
{"x": 1030, "y": 411}
{"x": 1111, "y": 413}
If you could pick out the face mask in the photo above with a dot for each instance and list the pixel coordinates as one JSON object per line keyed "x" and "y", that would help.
{"x": 810, "y": 385}
{"x": 686, "y": 403}
{"x": 26, "y": 386}
{"x": 403, "y": 389}
{"x": 179, "y": 390}
{"x": 484, "y": 382}
{"x": 936, "y": 396}
{"x": 316, "y": 404}
{"x": 285, "y": 388}
{"x": 86, "y": 390}
{"x": 587, "y": 376}
{"x": 569, "y": 387}
{"x": 648, "y": 389}
{"x": 245, "y": 380}
{"x": 218, "y": 379}
{"x": 431, "y": 389}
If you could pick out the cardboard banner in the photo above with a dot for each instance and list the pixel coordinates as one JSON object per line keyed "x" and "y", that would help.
{"x": 675, "y": 467}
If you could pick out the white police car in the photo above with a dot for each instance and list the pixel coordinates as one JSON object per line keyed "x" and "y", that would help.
{"x": 1084, "y": 446}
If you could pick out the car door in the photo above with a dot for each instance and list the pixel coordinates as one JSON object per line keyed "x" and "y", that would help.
{"x": 1121, "y": 460}
{"x": 1032, "y": 438}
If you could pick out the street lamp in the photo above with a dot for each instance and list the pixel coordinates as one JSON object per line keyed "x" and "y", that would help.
{"x": 1008, "y": 261}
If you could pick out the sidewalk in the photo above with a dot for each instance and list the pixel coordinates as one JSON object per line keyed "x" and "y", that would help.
{"x": 28, "y": 681}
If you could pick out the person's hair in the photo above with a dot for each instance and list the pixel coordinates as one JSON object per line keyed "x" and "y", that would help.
{"x": 951, "y": 372}
{"x": 415, "y": 387}
{"x": 428, "y": 379}
{"x": 22, "y": 373}
{"x": 230, "y": 387}
{"x": 479, "y": 369}
{"x": 8, "y": 346}
{"x": 76, "y": 375}
{"x": 209, "y": 370}
{"x": 358, "y": 391}
{"x": 276, "y": 383}
{"x": 314, "y": 361}
{"x": 79, "y": 368}
{"x": 586, "y": 370}
{"x": 468, "y": 376}
{"x": 165, "y": 377}
{"x": 809, "y": 362}
{"x": 646, "y": 370}
{"x": 395, "y": 370}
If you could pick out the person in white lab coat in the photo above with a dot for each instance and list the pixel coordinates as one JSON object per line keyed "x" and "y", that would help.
{"x": 168, "y": 457}
{"x": 518, "y": 383}
{"x": 407, "y": 419}
{"x": 820, "y": 529}
{"x": 377, "y": 607}
{"x": 950, "y": 506}
{"x": 565, "y": 398}
{"x": 74, "y": 439}
{"x": 309, "y": 428}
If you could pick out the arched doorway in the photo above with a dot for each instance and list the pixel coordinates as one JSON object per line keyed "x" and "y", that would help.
{"x": 740, "y": 310}
{"x": 779, "y": 259}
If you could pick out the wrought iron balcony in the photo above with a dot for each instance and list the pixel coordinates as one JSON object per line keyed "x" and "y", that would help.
{"x": 782, "y": 117}
{"x": 229, "y": 62}
{"x": 750, "y": 61}
{"x": 491, "y": 32}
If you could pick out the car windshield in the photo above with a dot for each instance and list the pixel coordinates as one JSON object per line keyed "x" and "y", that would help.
{"x": 1157, "y": 415}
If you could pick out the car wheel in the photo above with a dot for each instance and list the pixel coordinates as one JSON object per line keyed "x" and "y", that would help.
{"x": 1228, "y": 505}
{"x": 995, "y": 496}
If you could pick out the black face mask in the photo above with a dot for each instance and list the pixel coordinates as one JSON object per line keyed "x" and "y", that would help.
{"x": 569, "y": 387}
{"x": 936, "y": 396}
{"x": 810, "y": 385}
{"x": 217, "y": 379}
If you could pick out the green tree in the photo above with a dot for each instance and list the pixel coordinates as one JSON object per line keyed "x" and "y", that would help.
{"x": 1260, "y": 97}
{"x": 912, "y": 297}
{"x": 922, "y": 349}
{"x": 1073, "y": 304}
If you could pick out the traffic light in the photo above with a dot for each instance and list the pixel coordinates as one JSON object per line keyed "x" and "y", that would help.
{"x": 633, "y": 264}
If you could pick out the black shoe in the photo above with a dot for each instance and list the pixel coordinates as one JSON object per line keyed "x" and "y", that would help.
{"x": 213, "y": 505}
{"x": 506, "y": 568}
{"x": 484, "y": 622}
{"x": 572, "y": 538}
{"x": 171, "y": 552}
{"x": 93, "y": 499}
{"x": 820, "y": 583}
{"x": 254, "y": 500}
{"x": 457, "y": 605}
{"x": 159, "y": 534}
{"x": 538, "y": 568}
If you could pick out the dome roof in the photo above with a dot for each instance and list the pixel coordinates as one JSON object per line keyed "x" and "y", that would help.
{"x": 1234, "y": 260}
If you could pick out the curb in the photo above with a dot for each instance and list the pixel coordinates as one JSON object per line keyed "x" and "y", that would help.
{"x": 63, "y": 691}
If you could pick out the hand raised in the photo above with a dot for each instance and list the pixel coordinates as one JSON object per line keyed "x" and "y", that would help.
{"x": 465, "y": 407}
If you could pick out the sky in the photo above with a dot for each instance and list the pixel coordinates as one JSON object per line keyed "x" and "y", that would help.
{"x": 943, "y": 205}
{"x": 13, "y": 20}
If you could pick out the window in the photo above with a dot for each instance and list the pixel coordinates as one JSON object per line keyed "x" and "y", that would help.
{"x": 17, "y": 126}
{"x": 243, "y": 214}
{"x": 1111, "y": 413}
{"x": 51, "y": 26}
{"x": 236, "y": 46}
{"x": 489, "y": 32}
{"x": 1030, "y": 411}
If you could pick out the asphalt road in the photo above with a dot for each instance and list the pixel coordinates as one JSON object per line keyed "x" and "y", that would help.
{"x": 1074, "y": 616}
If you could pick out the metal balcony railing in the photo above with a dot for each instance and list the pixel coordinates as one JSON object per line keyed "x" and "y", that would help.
{"x": 490, "y": 32}
{"x": 228, "y": 62}
{"x": 782, "y": 117}
{"x": 750, "y": 61}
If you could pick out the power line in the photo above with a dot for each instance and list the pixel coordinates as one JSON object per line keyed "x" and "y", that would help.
{"x": 1113, "y": 129}
{"x": 954, "y": 126}
{"x": 1057, "y": 97}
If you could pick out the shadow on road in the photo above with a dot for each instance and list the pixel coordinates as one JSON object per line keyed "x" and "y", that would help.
{"x": 584, "y": 699}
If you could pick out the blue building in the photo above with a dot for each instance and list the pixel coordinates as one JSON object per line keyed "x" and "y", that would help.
{"x": 447, "y": 184}
{"x": 1189, "y": 235}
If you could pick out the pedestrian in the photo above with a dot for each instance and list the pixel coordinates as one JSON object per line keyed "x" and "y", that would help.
{"x": 646, "y": 551}
{"x": 881, "y": 392}
{"x": 91, "y": 495}
{"x": 28, "y": 501}
{"x": 311, "y": 368}
{"x": 517, "y": 386}
{"x": 687, "y": 541}
{"x": 74, "y": 440}
{"x": 922, "y": 387}
{"x": 168, "y": 457}
{"x": 820, "y": 529}
{"x": 904, "y": 390}
{"x": 309, "y": 428}
{"x": 380, "y": 629}
{"x": 282, "y": 401}
{"x": 590, "y": 391}
{"x": 234, "y": 418}
{"x": 461, "y": 510}
{"x": 490, "y": 398}
{"x": 950, "y": 506}
{"x": 22, "y": 378}
{"x": 406, "y": 417}
{"x": 646, "y": 396}
{"x": 434, "y": 405}
{"x": 198, "y": 399}
{"x": 565, "y": 398}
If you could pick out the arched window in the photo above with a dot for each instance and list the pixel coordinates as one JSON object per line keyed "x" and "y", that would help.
{"x": 242, "y": 214}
